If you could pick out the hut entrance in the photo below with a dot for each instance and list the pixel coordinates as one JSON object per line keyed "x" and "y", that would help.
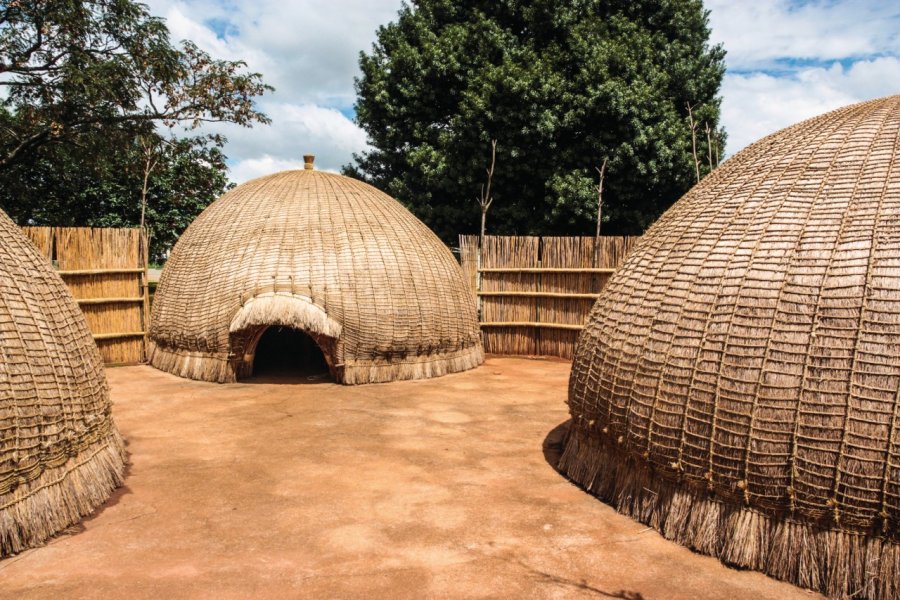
{"x": 287, "y": 353}
{"x": 285, "y": 335}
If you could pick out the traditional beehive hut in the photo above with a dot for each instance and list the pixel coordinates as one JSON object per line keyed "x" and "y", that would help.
{"x": 60, "y": 452}
{"x": 737, "y": 386}
{"x": 325, "y": 254}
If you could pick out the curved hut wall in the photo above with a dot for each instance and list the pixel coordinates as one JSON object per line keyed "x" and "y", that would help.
{"x": 737, "y": 386}
{"x": 60, "y": 452}
{"x": 324, "y": 254}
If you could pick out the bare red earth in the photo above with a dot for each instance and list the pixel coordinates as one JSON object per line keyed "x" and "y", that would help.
{"x": 438, "y": 488}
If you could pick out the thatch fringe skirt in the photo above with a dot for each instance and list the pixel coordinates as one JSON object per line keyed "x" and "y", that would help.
{"x": 219, "y": 368}
{"x": 61, "y": 496}
{"x": 840, "y": 564}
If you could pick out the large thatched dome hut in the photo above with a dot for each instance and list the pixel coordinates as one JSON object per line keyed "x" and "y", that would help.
{"x": 60, "y": 452}
{"x": 322, "y": 254}
{"x": 738, "y": 384}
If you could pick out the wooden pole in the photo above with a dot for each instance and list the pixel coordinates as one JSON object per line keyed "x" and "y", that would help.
{"x": 513, "y": 294}
{"x": 694, "y": 140}
{"x": 572, "y": 270}
{"x": 145, "y": 288}
{"x": 602, "y": 172}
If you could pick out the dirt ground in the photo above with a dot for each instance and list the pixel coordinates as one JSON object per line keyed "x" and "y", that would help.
{"x": 438, "y": 488}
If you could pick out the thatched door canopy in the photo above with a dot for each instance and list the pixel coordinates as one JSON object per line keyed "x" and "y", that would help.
{"x": 322, "y": 253}
{"x": 60, "y": 452}
{"x": 738, "y": 384}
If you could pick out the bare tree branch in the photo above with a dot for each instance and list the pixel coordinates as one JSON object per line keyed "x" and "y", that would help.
{"x": 693, "y": 126}
{"x": 602, "y": 173}
{"x": 486, "y": 198}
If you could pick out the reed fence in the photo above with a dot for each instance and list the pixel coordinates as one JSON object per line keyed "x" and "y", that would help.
{"x": 106, "y": 271}
{"x": 534, "y": 293}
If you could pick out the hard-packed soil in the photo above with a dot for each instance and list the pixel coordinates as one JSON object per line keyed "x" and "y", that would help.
{"x": 297, "y": 487}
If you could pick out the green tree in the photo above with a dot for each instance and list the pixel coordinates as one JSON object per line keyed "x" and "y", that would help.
{"x": 85, "y": 87}
{"x": 561, "y": 87}
{"x": 73, "y": 68}
{"x": 99, "y": 181}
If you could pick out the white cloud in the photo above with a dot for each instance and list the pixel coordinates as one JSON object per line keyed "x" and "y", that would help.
{"x": 308, "y": 50}
{"x": 251, "y": 168}
{"x": 756, "y": 104}
{"x": 787, "y": 60}
{"x": 296, "y": 130}
{"x": 762, "y": 33}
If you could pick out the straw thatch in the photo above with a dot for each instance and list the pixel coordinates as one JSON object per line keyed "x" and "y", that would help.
{"x": 535, "y": 293}
{"x": 323, "y": 253}
{"x": 738, "y": 384}
{"x": 105, "y": 270}
{"x": 60, "y": 452}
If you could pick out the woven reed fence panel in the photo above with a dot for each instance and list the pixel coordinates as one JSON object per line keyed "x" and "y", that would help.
{"x": 540, "y": 309}
{"x": 105, "y": 269}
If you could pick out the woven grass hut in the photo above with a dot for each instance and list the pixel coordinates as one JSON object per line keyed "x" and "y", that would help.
{"x": 60, "y": 452}
{"x": 320, "y": 253}
{"x": 737, "y": 386}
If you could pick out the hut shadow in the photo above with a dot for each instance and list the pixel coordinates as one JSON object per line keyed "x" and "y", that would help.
{"x": 117, "y": 495}
{"x": 555, "y": 443}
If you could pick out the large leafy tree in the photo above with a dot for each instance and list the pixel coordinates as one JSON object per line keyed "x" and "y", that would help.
{"x": 86, "y": 86}
{"x": 99, "y": 182}
{"x": 72, "y": 68}
{"x": 561, "y": 86}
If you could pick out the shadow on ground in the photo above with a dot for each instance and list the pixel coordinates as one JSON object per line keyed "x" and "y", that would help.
{"x": 555, "y": 443}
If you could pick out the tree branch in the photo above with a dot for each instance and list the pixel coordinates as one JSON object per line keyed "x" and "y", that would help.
{"x": 693, "y": 126}
{"x": 486, "y": 199}
{"x": 602, "y": 172}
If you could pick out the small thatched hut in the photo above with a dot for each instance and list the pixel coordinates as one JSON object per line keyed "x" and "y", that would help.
{"x": 60, "y": 452}
{"x": 738, "y": 384}
{"x": 323, "y": 254}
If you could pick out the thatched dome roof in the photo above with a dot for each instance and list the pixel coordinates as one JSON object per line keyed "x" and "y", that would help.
{"x": 60, "y": 452}
{"x": 738, "y": 383}
{"x": 323, "y": 253}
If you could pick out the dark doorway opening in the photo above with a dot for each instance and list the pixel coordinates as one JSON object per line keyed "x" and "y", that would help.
{"x": 286, "y": 353}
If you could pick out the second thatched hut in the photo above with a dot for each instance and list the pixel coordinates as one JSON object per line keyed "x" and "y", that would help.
{"x": 322, "y": 254}
{"x": 738, "y": 383}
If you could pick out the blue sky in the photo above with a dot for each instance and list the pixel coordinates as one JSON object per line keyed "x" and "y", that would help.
{"x": 787, "y": 60}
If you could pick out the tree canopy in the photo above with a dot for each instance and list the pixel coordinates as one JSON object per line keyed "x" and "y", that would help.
{"x": 85, "y": 86}
{"x": 561, "y": 86}
{"x": 98, "y": 183}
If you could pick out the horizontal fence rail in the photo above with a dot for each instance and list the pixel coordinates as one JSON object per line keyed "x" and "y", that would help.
{"x": 82, "y": 301}
{"x": 534, "y": 294}
{"x": 106, "y": 271}
{"x": 87, "y": 272}
{"x": 539, "y": 295}
{"x": 546, "y": 270}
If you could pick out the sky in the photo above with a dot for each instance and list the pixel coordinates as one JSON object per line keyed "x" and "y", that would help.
{"x": 787, "y": 60}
